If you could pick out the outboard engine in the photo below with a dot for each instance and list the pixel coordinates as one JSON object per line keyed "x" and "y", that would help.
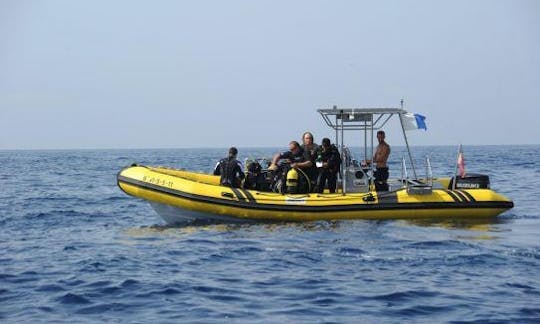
{"x": 470, "y": 181}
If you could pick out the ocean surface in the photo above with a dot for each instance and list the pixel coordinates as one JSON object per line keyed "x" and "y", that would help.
{"x": 74, "y": 248}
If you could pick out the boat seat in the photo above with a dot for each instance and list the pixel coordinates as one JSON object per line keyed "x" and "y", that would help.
{"x": 415, "y": 187}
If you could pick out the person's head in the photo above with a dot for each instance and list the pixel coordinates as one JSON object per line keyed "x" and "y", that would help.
{"x": 325, "y": 143}
{"x": 233, "y": 152}
{"x": 380, "y": 136}
{"x": 307, "y": 138}
{"x": 294, "y": 147}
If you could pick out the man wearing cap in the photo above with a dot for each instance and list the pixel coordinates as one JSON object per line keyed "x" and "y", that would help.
{"x": 230, "y": 170}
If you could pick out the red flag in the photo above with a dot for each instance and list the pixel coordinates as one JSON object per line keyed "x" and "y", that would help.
{"x": 461, "y": 165}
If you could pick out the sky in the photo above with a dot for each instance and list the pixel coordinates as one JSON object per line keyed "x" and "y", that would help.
{"x": 183, "y": 74}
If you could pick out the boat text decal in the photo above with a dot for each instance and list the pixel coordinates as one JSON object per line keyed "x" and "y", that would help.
{"x": 295, "y": 201}
{"x": 158, "y": 181}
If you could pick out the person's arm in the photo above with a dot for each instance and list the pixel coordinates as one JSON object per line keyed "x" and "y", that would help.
{"x": 239, "y": 170}
{"x": 307, "y": 163}
{"x": 217, "y": 170}
{"x": 275, "y": 160}
{"x": 302, "y": 165}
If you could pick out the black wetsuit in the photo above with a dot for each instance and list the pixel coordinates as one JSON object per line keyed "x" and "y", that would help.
{"x": 329, "y": 175}
{"x": 311, "y": 155}
{"x": 230, "y": 171}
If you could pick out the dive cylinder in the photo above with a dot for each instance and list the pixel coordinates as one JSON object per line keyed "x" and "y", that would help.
{"x": 292, "y": 181}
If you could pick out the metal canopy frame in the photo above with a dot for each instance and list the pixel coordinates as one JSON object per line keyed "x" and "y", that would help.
{"x": 362, "y": 119}
{"x": 358, "y": 118}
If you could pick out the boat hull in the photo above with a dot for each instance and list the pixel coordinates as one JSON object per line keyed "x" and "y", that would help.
{"x": 182, "y": 197}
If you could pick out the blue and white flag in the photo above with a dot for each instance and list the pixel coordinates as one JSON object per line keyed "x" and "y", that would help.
{"x": 414, "y": 121}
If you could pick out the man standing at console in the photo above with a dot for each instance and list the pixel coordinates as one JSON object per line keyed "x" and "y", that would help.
{"x": 381, "y": 167}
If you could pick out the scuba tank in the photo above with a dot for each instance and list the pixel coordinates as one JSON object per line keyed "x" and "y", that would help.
{"x": 292, "y": 181}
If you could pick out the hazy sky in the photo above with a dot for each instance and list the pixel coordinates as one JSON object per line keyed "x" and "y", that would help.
{"x": 166, "y": 74}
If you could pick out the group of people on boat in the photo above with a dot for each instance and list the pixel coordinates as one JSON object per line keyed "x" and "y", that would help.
{"x": 301, "y": 169}
{"x": 313, "y": 167}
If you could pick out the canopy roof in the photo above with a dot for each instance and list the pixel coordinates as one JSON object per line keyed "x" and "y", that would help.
{"x": 358, "y": 118}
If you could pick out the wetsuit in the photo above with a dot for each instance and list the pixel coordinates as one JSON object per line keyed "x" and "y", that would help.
{"x": 230, "y": 171}
{"x": 311, "y": 155}
{"x": 329, "y": 175}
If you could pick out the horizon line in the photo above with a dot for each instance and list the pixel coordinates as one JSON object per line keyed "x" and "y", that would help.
{"x": 226, "y": 147}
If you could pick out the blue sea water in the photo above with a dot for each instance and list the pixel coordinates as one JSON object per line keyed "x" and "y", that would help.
{"x": 74, "y": 248}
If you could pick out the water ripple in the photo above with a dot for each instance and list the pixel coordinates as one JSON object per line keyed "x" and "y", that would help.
{"x": 77, "y": 249}
{"x": 71, "y": 298}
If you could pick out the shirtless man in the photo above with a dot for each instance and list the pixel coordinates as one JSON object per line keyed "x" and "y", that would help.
{"x": 380, "y": 158}
{"x": 382, "y": 152}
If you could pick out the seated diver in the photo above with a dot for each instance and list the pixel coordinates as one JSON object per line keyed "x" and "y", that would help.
{"x": 255, "y": 177}
{"x": 230, "y": 170}
{"x": 298, "y": 160}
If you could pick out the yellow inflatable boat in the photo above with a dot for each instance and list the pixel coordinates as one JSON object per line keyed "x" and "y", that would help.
{"x": 181, "y": 196}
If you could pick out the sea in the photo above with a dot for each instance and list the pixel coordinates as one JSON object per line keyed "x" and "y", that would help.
{"x": 74, "y": 248}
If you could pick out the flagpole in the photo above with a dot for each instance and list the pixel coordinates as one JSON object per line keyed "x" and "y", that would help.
{"x": 407, "y": 142}
{"x": 455, "y": 172}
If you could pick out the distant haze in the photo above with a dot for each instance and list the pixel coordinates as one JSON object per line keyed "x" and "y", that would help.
{"x": 167, "y": 74}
